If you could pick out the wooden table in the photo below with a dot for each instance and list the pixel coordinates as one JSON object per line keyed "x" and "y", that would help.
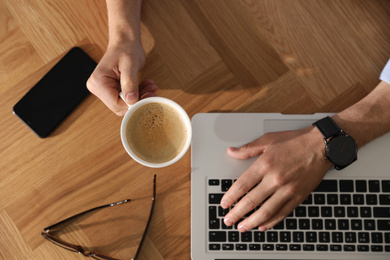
{"x": 207, "y": 55}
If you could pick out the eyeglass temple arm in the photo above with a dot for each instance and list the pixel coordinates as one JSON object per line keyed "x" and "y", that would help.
{"x": 149, "y": 219}
{"x": 47, "y": 229}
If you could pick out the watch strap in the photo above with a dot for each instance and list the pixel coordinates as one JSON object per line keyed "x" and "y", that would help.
{"x": 327, "y": 127}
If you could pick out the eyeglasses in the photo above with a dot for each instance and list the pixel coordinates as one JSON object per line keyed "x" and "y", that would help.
{"x": 79, "y": 249}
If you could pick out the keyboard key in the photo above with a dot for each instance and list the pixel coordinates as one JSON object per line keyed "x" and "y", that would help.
{"x": 330, "y": 224}
{"x": 361, "y": 186}
{"x": 304, "y": 224}
{"x": 214, "y": 247}
{"x": 350, "y": 237}
{"x": 364, "y": 237}
{"x": 382, "y": 212}
{"x": 324, "y": 237}
{"x": 365, "y": 212}
{"x": 222, "y": 212}
{"x": 213, "y": 182}
{"x": 281, "y": 247}
{"x": 356, "y": 224}
{"x": 327, "y": 186}
{"x": 371, "y": 199}
{"x": 345, "y": 199}
{"x": 384, "y": 225}
{"x": 217, "y": 236}
{"x": 335, "y": 247}
{"x": 254, "y": 247}
{"x": 246, "y": 237}
{"x": 376, "y": 238}
{"x": 319, "y": 199}
{"x": 285, "y": 237}
{"x": 337, "y": 237}
{"x": 308, "y": 200}
{"x": 298, "y": 237}
{"x": 387, "y": 238}
{"x": 226, "y": 184}
{"x": 280, "y": 225}
{"x": 215, "y": 198}
{"x": 308, "y": 247}
{"x": 213, "y": 220}
{"x": 343, "y": 224}
{"x": 241, "y": 247}
{"x": 358, "y": 199}
{"x": 339, "y": 212}
{"x": 363, "y": 248}
{"x": 295, "y": 247}
{"x": 349, "y": 248}
{"x": 300, "y": 211}
{"x": 326, "y": 212}
{"x": 317, "y": 224}
{"x": 259, "y": 236}
{"x": 346, "y": 186}
{"x": 332, "y": 199}
{"x": 268, "y": 247}
{"x": 373, "y": 186}
{"x": 291, "y": 224}
{"x": 384, "y": 199}
{"x": 322, "y": 247}
{"x": 369, "y": 224}
{"x": 352, "y": 212}
{"x": 272, "y": 236}
{"x": 234, "y": 236}
{"x": 311, "y": 237}
{"x": 386, "y": 186}
{"x": 375, "y": 248}
{"x": 227, "y": 247}
{"x": 314, "y": 211}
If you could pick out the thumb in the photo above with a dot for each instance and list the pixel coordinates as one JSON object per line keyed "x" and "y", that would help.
{"x": 129, "y": 85}
{"x": 248, "y": 150}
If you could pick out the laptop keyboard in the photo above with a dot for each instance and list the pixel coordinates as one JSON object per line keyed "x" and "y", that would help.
{"x": 339, "y": 216}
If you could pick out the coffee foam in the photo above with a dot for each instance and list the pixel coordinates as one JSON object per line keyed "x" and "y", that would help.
{"x": 156, "y": 133}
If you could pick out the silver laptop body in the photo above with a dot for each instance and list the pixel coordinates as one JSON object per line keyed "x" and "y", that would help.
{"x": 213, "y": 133}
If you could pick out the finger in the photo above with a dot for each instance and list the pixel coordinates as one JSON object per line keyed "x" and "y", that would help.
{"x": 246, "y": 151}
{"x": 129, "y": 82}
{"x": 266, "y": 212}
{"x": 147, "y": 86}
{"x": 107, "y": 89}
{"x": 284, "y": 211}
{"x": 248, "y": 203}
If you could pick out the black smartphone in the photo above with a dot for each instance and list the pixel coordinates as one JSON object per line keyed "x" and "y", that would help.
{"x": 55, "y": 96}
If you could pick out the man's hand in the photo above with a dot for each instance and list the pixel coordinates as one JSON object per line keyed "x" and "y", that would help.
{"x": 290, "y": 166}
{"x": 118, "y": 71}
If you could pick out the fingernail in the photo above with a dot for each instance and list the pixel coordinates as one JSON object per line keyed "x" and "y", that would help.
{"x": 262, "y": 228}
{"x": 242, "y": 228}
{"x": 233, "y": 149}
{"x": 131, "y": 97}
{"x": 224, "y": 205}
{"x": 228, "y": 221}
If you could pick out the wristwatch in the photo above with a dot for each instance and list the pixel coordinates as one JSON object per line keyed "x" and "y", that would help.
{"x": 340, "y": 148}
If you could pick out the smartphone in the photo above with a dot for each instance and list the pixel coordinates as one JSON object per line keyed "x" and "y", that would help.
{"x": 56, "y": 95}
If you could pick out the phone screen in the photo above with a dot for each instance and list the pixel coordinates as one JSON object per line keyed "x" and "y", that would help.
{"x": 54, "y": 97}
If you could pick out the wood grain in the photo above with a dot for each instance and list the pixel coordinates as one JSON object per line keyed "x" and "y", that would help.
{"x": 230, "y": 56}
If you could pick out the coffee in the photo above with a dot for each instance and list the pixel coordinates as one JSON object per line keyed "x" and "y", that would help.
{"x": 156, "y": 133}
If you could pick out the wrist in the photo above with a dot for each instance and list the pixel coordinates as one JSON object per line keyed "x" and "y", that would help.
{"x": 124, "y": 21}
{"x": 317, "y": 145}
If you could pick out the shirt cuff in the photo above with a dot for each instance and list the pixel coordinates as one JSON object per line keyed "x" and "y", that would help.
{"x": 385, "y": 75}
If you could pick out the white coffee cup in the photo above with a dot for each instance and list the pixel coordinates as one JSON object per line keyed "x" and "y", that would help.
{"x": 179, "y": 111}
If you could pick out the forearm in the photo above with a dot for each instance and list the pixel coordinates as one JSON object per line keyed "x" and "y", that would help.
{"x": 369, "y": 118}
{"x": 124, "y": 20}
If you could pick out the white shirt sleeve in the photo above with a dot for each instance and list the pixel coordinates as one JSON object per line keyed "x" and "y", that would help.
{"x": 385, "y": 75}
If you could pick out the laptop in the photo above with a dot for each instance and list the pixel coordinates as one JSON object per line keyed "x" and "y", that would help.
{"x": 346, "y": 217}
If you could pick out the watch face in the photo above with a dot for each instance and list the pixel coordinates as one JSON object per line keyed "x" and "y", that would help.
{"x": 341, "y": 150}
